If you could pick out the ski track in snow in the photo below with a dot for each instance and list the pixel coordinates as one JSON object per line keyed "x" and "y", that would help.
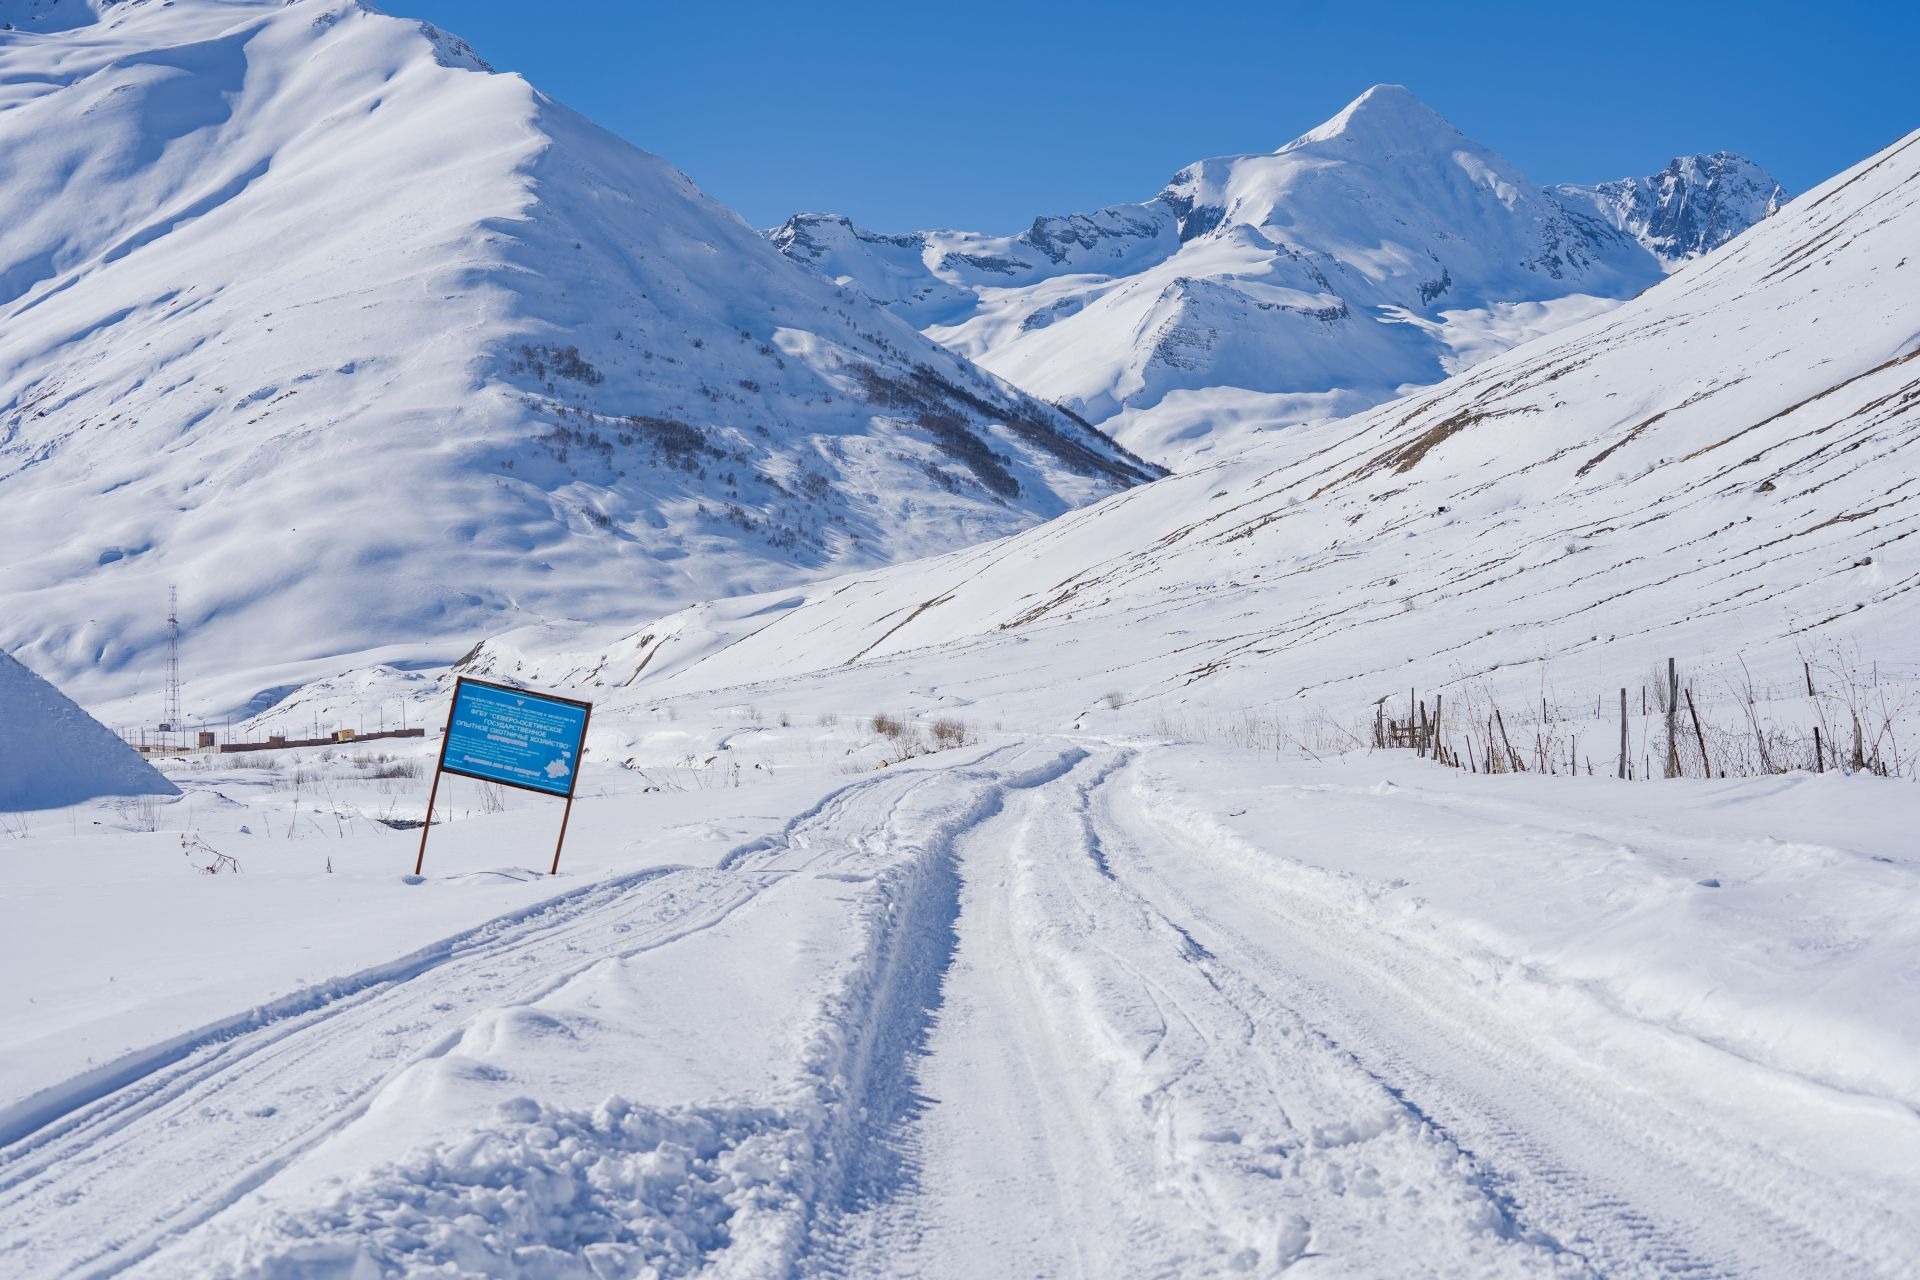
{"x": 1079, "y": 1028}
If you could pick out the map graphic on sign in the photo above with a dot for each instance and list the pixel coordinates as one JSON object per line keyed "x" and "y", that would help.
{"x": 512, "y": 736}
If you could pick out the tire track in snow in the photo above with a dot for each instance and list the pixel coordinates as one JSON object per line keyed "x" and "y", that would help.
{"x": 1105, "y": 1098}
{"x": 169, "y": 1138}
{"x": 886, "y": 1159}
{"x": 1638, "y": 1183}
{"x": 802, "y": 1156}
{"x": 867, "y": 1082}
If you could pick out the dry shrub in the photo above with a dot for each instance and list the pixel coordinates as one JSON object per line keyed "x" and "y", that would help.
{"x": 948, "y": 734}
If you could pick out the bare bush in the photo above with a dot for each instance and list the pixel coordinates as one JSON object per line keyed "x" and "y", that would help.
{"x": 208, "y": 860}
{"x": 948, "y": 734}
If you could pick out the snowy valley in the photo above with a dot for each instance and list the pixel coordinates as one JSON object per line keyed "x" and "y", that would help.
{"x": 991, "y": 856}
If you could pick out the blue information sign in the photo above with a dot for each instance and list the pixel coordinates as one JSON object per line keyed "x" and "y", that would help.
{"x": 511, "y": 736}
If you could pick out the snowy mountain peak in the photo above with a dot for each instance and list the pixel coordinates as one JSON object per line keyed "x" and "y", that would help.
{"x": 1691, "y": 207}
{"x": 1388, "y": 168}
{"x": 1387, "y": 116}
{"x": 360, "y": 345}
{"x": 1379, "y": 251}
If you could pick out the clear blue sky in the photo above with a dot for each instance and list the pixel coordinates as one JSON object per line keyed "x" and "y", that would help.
{"x": 982, "y": 115}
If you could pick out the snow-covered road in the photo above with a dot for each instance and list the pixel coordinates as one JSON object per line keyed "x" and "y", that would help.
{"x": 1071, "y": 1008}
{"x": 1615, "y": 1144}
{"x": 1197, "y": 1061}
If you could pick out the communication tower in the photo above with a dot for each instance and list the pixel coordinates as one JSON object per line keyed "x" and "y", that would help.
{"x": 172, "y": 723}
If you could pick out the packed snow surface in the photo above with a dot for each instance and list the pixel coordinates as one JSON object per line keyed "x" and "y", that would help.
{"x": 369, "y": 349}
{"x": 1381, "y": 251}
{"x": 1045, "y": 1004}
{"x": 52, "y": 753}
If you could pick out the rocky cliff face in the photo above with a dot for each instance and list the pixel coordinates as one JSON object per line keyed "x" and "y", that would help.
{"x": 1690, "y": 208}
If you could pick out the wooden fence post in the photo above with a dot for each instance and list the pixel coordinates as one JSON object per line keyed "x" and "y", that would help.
{"x": 1514, "y": 761}
{"x": 1623, "y": 734}
{"x": 1699, "y": 737}
{"x": 1673, "y": 711}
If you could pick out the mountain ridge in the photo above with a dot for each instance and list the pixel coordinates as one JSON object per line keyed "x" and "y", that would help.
{"x": 1691, "y": 207}
{"x": 1719, "y": 470}
{"x": 1379, "y": 251}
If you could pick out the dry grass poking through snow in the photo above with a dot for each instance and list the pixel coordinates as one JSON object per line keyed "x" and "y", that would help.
{"x": 905, "y": 742}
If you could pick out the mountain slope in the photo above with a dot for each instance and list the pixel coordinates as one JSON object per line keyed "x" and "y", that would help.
{"x": 304, "y": 309}
{"x": 1378, "y": 252}
{"x": 1722, "y": 470}
{"x": 1690, "y": 208}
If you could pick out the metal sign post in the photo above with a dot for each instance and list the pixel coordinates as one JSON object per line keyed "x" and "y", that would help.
{"x": 516, "y": 738}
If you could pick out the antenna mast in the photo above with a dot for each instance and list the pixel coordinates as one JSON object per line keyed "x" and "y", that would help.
{"x": 172, "y": 724}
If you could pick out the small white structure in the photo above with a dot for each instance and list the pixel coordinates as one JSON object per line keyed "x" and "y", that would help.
{"x": 52, "y": 753}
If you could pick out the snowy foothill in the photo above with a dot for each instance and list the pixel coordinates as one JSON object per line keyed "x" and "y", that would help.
{"x": 1720, "y": 472}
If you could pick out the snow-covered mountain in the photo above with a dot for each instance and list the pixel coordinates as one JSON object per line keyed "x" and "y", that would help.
{"x": 1381, "y": 251}
{"x": 1690, "y": 208}
{"x": 366, "y": 347}
{"x": 1722, "y": 469}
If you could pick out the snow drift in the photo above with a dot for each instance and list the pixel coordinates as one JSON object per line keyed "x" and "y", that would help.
{"x": 54, "y": 754}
